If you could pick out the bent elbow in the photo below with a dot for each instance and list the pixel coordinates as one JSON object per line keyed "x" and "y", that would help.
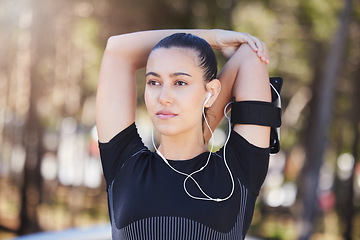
{"x": 113, "y": 44}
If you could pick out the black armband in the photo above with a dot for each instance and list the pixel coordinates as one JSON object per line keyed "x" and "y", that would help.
{"x": 262, "y": 113}
{"x": 256, "y": 113}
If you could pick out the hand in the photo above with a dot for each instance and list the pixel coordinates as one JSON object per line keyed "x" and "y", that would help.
{"x": 228, "y": 42}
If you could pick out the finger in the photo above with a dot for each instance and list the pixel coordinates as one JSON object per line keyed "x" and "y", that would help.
{"x": 262, "y": 53}
{"x": 259, "y": 45}
{"x": 266, "y": 53}
{"x": 256, "y": 41}
{"x": 247, "y": 38}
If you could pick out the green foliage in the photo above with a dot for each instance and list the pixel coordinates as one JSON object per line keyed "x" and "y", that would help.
{"x": 280, "y": 30}
{"x": 321, "y": 16}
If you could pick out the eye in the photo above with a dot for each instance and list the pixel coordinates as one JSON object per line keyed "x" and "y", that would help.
{"x": 180, "y": 83}
{"x": 153, "y": 83}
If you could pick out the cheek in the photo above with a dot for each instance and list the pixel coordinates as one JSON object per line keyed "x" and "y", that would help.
{"x": 195, "y": 98}
{"x": 194, "y": 105}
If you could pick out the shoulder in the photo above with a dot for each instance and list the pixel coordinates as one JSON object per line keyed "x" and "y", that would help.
{"x": 122, "y": 147}
{"x": 129, "y": 131}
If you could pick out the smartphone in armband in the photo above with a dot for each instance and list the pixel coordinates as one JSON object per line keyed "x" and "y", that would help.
{"x": 276, "y": 85}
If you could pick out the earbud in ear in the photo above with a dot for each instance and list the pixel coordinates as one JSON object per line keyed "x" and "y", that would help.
{"x": 207, "y": 99}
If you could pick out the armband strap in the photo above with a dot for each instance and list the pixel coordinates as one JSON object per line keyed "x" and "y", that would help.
{"x": 256, "y": 113}
{"x": 262, "y": 113}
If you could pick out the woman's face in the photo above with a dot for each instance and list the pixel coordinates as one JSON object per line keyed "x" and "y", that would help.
{"x": 175, "y": 91}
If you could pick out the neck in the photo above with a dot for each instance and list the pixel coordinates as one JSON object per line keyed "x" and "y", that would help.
{"x": 182, "y": 146}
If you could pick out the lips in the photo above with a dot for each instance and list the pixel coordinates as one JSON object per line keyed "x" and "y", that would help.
{"x": 165, "y": 114}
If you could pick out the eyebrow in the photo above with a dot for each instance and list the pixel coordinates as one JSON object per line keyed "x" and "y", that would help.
{"x": 152, "y": 73}
{"x": 171, "y": 75}
{"x": 179, "y": 74}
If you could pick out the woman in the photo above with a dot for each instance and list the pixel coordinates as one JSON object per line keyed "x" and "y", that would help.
{"x": 181, "y": 191}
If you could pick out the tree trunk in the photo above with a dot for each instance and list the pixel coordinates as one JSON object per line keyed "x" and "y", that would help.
{"x": 317, "y": 131}
{"x": 349, "y": 202}
{"x": 33, "y": 129}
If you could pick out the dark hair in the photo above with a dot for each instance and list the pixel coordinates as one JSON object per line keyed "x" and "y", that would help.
{"x": 205, "y": 53}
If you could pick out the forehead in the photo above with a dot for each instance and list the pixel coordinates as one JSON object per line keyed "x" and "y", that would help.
{"x": 173, "y": 57}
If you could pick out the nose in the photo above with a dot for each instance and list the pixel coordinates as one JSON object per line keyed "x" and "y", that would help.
{"x": 166, "y": 96}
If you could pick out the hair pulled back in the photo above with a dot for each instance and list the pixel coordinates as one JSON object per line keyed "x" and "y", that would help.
{"x": 205, "y": 53}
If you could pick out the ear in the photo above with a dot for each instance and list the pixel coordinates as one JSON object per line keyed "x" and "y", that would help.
{"x": 213, "y": 87}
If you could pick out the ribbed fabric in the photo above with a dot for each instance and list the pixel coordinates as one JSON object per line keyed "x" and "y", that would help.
{"x": 177, "y": 228}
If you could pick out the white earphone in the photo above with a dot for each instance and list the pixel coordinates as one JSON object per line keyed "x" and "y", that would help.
{"x": 208, "y": 97}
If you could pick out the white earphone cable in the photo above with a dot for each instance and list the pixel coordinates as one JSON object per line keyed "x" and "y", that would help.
{"x": 208, "y": 198}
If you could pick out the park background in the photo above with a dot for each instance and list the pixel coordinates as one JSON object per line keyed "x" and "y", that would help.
{"x": 50, "y": 53}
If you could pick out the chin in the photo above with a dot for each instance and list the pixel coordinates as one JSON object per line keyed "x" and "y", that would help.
{"x": 167, "y": 129}
{"x": 175, "y": 128}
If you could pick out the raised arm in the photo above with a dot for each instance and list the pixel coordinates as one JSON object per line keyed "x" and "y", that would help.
{"x": 116, "y": 94}
{"x": 244, "y": 77}
{"x": 124, "y": 54}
